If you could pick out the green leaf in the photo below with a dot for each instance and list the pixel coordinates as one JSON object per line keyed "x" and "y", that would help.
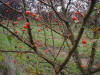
{"x": 9, "y": 38}
{"x": 98, "y": 5}
{"x": 6, "y": 40}
{"x": 21, "y": 56}
{"x": 98, "y": 10}
{"x": 93, "y": 13}
{"x": 1, "y": 57}
{"x": 37, "y": 68}
{"x": 97, "y": 36}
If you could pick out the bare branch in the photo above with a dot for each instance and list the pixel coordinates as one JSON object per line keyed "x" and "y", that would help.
{"x": 38, "y": 53}
{"x": 78, "y": 38}
{"x": 11, "y": 7}
{"x": 13, "y": 51}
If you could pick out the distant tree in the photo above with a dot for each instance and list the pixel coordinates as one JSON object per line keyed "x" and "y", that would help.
{"x": 6, "y": 8}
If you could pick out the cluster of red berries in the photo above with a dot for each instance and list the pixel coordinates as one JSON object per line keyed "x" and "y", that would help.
{"x": 17, "y": 55}
{"x": 37, "y": 43}
{"x": 15, "y": 23}
{"x": 25, "y": 26}
{"x": 74, "y": 18}
{"x": 33, "y": 14}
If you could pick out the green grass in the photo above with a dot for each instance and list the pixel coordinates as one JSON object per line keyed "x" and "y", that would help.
{"x": 9, "y": 42}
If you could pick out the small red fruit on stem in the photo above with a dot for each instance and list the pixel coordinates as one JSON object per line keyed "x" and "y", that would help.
{"x": 16, "y": 32}
{"x": 82, "y": 66}
{"x": 19, "y": 18}
{"x": 15, "y": 23}
{"x": 46, "y": 51}
{"x": 33, "y": 46}
{"x": 76, "y": 13}
{"x": 84, "y": 41}
{"x": 21, "y": 47}
{"x": 21, "y": 53}
{"x": 24, "y": 30}
{"x": 27, "y": 23}
{"x": 38, "y": 44}
{"x": 36, "y": 18}
{"x": 8, "y": 3}
{"x": 27, "y": 12}
{"x": 74, "y": 18}
{"x": 17, "y": 53}
{"x": 25, "y": 27}
{"x": 34, "y": 15}
{"x": 6, "y": 11}
{"x": 39, "y": 30}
